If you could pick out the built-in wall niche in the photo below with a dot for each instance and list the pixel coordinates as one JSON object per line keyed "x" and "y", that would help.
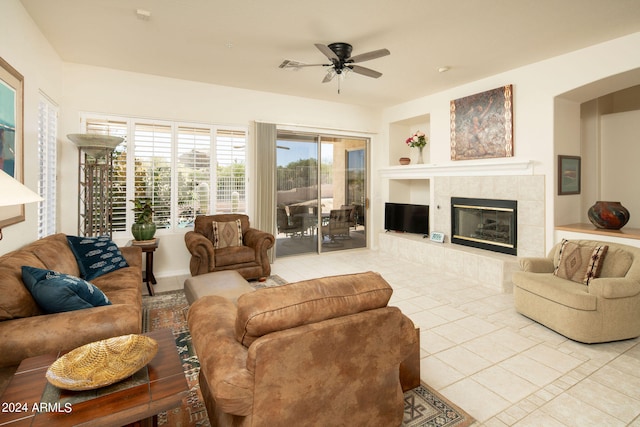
{"x": 414, "y": 191}
{"x": 399, "y": 131}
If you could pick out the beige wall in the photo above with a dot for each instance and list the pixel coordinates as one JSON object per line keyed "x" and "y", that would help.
{"x": 535, "y": 89}
{"x": 590, "y": 144}
{"x": 619, "y": 155}
{"x": 77, "y": 88}
{"x": 25, "y": 49}
{"x": 101, "y": 90}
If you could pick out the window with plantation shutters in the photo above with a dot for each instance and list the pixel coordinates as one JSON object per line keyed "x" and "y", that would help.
{"x": 152, "y": 169}
{"x": 119, "y": 174}
{"x": 183, "y": 170}
{"x": 194, "y": 173}
{"x": 230, "y": 171}
{"x": 47, "y": 131}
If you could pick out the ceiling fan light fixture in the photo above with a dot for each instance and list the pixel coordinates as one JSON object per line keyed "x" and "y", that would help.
{"x": 330, "y": 75}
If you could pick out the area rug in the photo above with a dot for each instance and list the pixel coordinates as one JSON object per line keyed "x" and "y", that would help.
{"x": 424, "y": 407}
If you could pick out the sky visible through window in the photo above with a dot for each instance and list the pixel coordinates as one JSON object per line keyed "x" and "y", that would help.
{"x": 292, "y": 151}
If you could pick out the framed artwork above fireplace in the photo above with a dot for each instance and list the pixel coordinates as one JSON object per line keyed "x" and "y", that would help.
{"x": 482, "y": 125}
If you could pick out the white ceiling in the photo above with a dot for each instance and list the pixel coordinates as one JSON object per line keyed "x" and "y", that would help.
{"x": 240, "y": 43}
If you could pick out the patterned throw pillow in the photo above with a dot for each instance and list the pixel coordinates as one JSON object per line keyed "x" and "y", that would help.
{"x": 580, "y": 263}
{"x": 227, "y": 234}
{"x": 55, "y": 292}
{"x": 96, "y": 255}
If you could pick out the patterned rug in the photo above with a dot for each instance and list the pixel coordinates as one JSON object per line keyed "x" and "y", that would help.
{"x": 423, "y": 406}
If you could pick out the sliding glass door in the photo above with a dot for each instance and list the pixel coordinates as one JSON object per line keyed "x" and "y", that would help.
{"x": 297, "y": 194}
{"x": 321, "y": 193}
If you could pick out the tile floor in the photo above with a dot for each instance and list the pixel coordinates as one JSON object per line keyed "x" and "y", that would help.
{"x": 497, "y": 365}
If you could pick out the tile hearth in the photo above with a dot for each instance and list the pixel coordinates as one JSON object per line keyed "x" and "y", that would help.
{"x": 499, "y": 366}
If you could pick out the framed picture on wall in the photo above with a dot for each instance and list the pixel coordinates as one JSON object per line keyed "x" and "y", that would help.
{"x": 482, "y": 125}
{"x": 568, "y": 175}
{"x": 11, "y": 134}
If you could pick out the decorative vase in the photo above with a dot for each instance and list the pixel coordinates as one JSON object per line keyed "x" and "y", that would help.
{"x": 609, "y": 215}
{"x": 404, "y": 160}
{"x": 420, "y": 160}
{"x": 143, "y": 230}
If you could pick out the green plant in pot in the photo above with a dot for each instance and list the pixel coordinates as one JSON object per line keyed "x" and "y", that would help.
{"x": 143, "y": 228}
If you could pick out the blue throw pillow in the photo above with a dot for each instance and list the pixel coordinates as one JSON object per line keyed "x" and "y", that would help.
{"x": 55, "y": 292}
{"x": 96, "y": 255}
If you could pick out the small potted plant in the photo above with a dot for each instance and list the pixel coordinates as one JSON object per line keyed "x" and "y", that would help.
{"x": 144, "y": 227}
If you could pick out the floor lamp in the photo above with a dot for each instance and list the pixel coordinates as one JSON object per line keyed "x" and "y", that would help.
{"x": 13, "y": 193}
{"x": 96, "y": 176}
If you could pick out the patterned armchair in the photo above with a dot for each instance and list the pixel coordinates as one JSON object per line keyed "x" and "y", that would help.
{"x": 227, "y": 242}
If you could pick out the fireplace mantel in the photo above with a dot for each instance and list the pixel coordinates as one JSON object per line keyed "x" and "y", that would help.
{"x": 460, "y": 168}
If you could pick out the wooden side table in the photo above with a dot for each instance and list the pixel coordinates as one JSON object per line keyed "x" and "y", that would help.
{"x": 148, "y": 249}
{"x": 29, "y": 401}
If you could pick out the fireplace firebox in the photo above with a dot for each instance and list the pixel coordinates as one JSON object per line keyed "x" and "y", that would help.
{"x": 485, "y": 223}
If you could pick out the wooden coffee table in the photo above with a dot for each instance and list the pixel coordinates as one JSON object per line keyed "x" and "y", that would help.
{"x": 30, "y": 400}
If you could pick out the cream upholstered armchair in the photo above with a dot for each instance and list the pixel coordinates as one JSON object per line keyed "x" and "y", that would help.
{"x": 227, "y": 242}
{"x": 581, "y": 294}
{"x": 320, "y": 352}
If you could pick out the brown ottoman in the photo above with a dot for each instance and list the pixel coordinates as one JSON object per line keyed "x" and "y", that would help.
{"x": 228, "y": 284}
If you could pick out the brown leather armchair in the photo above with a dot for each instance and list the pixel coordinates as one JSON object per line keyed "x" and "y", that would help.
{"x": 250, "y": 259}
{"x": 320, "y": 352}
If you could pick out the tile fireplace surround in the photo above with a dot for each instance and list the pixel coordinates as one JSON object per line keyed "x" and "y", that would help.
{"x": 489, "y": 268}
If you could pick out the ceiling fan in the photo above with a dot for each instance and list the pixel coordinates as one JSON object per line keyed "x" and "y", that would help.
{"x": 341, "y": 61}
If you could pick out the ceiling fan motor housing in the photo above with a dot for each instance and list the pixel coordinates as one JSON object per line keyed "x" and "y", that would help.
{"x": 342, "y": 50}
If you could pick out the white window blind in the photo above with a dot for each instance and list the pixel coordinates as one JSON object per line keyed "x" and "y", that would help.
{"x": 182, "y": 169}
{"x": 194, "y": 173}
{"x": 230, "y": 171}
{"x": 119, "y": 176}
{"x": 47, "y": 132}
{"x": 152, "y": 179}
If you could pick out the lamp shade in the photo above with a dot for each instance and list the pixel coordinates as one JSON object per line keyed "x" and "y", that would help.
{"x": 12, "y": 192}
{"x": 95, "y": 145}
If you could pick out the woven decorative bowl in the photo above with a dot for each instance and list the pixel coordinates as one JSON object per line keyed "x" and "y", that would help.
{"x": 102, "y": 363}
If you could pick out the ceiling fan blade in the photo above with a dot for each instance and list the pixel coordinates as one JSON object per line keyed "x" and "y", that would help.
{"x": 327, "y": 52}
{"x": 365, "y": 71}
{"x": 289, "y": 63}
{"x": 330, "y": 75}
{"x": 370, "y": 55}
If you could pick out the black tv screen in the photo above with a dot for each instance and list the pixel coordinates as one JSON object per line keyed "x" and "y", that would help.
{"x": 406, "y": 217}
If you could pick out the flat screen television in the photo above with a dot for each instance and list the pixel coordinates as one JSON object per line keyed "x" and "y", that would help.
{"x": 406, "y": 217}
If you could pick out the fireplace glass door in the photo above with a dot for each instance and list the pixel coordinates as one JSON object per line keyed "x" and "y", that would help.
{"x": 485, "y": 223}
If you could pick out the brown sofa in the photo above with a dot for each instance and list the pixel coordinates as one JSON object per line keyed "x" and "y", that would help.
{"x": 25, "y": 331}
{"x": 324, "y": 351}
{"x": 607, "y": 309}
{"x": 250, "y": 260}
